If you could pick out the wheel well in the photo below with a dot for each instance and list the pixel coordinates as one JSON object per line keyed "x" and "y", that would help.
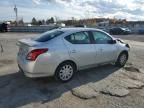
{"x": 68, "y": 61}
{"x": 126, "y": 52}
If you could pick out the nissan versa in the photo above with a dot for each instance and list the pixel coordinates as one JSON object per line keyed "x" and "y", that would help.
{"x": 61, "y": 52}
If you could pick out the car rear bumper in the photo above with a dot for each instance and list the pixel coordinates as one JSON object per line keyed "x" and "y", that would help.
{"x": 33, "y": 75}
{"x": 30, "y": 69}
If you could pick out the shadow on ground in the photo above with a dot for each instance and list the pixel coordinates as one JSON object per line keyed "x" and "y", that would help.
{"x": 16, "y": 90}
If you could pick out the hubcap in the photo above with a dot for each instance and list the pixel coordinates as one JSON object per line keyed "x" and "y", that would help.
{"x": 66, "y": 72}
{"x": 123, "y": 59}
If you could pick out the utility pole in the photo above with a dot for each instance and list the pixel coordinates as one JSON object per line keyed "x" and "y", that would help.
{"x": 16, "y": 13}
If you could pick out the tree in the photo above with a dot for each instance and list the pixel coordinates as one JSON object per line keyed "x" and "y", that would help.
{"x": 34, "y": 21}
{"x": 39, "y": 22}
{"x": 21, "y": 22}
{"x": 52, "y": 20}
{"x": 43, "y": 22}
{"x": 47, "y": 21}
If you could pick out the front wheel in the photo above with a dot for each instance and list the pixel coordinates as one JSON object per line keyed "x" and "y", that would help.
{"x": 65, "y": 71}
{"x": 122, "y": 59}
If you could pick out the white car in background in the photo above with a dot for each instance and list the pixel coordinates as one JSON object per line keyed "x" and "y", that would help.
{"x": 61, "y": 52}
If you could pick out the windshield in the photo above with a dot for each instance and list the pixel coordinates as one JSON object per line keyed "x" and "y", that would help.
{"x": 48, "y": 35}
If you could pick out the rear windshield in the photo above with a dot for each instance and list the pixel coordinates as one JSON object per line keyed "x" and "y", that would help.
{"x": 48, "y": 35}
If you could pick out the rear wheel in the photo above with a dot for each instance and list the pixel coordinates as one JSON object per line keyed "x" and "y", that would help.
{"x": 122, "y": 59}
{"x": 65, "y": 71}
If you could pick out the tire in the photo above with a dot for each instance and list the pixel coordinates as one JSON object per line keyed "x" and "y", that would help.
{"x": 65, "y": 71}
{"x": 122, "y": 59}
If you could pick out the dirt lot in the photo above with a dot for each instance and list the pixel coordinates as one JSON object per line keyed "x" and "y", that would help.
{"x": 101, "y": 87}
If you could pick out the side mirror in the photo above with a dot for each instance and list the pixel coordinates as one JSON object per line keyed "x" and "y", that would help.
{"x": 112, "y": 42}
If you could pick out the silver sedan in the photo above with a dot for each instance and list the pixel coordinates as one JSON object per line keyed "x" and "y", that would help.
{"x": 62, "y": 52}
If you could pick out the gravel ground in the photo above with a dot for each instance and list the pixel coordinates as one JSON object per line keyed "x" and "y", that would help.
{"x": 100, "y": 87}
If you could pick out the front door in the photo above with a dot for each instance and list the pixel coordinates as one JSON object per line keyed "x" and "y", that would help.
{"x": 105, "y": 51}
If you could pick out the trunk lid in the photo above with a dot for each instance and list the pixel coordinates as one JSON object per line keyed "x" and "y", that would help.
{"x": 25, "y": 46}
{"x": 28, "y": 42}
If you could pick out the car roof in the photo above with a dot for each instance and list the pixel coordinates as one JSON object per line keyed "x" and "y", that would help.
{"x": 80, "y": 29}
{"x": 77, "y": 29}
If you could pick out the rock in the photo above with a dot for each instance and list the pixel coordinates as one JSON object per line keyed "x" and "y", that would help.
{"x": 129, "y": 79}
{"x": 115, "y": 91}
{"x": 129, "y": 64}
{"x": 131, "y": 69}
{"x": 130, "y": 83}
{"x": 84, "y": 92}
{"x": 134, "y": 76}
{"x": 99, "y": 86}
{"x": 109, "y": 87}
{"x": 141, "y": 70}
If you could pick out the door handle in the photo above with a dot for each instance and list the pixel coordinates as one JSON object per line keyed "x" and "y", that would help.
{"x": 73, "y": 51}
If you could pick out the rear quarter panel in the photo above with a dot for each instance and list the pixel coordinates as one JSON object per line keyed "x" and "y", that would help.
{"x": 57, "y": 53}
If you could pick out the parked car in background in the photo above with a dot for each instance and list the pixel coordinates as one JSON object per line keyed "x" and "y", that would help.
{"x": 141, "y": 31}
{"x": 62, "y": 52}
{"x": 119, "y": 31}
{"x": 82, "y": 25}
{"x": 104, "y": 29}
{"x": 3, "y": 27}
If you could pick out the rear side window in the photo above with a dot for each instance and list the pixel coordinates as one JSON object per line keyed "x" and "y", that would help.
{"x": 79, "y": 38}
{"x": 48, "y": 35}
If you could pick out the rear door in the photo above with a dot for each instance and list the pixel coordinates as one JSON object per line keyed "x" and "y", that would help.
{"x": 105, "y": 52}
{"x": 81, "y": 49}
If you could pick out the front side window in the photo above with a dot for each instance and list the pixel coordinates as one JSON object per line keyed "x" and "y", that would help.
{"x": 101, "y": 38}
{"x": 79, "y": 38}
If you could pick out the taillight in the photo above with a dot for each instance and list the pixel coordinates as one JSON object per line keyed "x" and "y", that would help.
{"x": 35, "y": 53}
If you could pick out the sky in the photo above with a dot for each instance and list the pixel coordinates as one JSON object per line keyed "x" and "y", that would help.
{"x": 66, "y": 9}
